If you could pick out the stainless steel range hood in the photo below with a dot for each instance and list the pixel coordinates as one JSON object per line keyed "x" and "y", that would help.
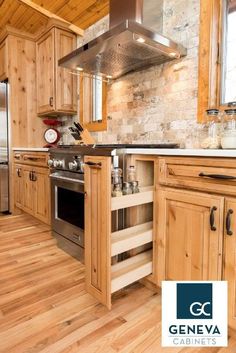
{"x": 127, "y": 46}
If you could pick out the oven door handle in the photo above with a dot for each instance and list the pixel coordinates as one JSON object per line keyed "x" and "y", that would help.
{"x": 66, "y": 179}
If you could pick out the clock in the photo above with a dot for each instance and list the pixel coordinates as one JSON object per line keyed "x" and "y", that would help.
{"x": 51, "y": 136}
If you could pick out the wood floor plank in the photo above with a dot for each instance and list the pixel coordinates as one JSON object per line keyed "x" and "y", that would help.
{"x": 44, "y": 307}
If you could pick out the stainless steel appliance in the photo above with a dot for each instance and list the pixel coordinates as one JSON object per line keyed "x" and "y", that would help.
{"x": 127, "y": 46}
{"x": 67, "y": 188}
{"x": 4, "y": 168}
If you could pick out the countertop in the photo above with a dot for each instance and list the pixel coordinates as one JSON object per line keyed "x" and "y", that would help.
{"x": 33, "y": 149}
{"x": 182, "y": 152}
{"x": 157, "y": 151}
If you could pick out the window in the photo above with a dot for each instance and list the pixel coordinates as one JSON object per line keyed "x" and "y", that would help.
{"x": 93, "y": 101}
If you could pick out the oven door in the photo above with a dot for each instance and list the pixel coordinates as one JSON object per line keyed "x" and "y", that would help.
{"x": 68, "y": 205}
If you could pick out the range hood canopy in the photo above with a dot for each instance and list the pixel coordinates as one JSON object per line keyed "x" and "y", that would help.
{"x": 127, "y": 46}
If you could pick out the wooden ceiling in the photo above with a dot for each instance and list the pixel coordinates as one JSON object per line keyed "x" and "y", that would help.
{"x": 81, "y": 13}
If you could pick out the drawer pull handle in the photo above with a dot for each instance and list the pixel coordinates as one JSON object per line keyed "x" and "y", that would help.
{"x": 94, "y": 165}
{"x": 228, "y": 222}
{"x": 33, "y": 159}
{"x": 217, "y": 176}
{"x": 212, "y": 218}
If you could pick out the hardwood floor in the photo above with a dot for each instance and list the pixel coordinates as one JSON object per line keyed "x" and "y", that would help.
{"x": 44, "y": 307}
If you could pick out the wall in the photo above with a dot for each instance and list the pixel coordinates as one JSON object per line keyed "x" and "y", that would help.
{"x": 158, "y": 104}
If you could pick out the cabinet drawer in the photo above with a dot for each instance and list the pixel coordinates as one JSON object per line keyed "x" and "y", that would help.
{"x": 31, "y": 158}
{"x": 205, "y": 174}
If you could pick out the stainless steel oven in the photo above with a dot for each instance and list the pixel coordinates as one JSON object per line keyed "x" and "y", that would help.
{"x": 67, "y": 190}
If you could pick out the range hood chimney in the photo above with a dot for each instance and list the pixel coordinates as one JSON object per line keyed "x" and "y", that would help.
{"x": 127, "y": 46}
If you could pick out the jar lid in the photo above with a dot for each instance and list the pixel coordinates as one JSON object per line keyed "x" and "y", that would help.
{"x": 212, "y": 111}
{"x": 230, "y": 111}
{"x": 134, "y": 183}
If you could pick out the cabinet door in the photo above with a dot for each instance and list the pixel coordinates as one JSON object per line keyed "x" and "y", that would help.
{"x": 41, "y": 187}
{"x": 98, "y": 228}
{"x": 65, "y": 82}
{"x": 189, "y": 248}
{"x": 229, "y": 269}
{"x": 27, "y": 185}
{"x": 45, "y": 73}
{"x": 18, "y": 186}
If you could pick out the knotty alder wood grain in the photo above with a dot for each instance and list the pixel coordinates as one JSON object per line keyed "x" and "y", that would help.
{"x": 79, "y": 13}
{"x": 44, "y": 307}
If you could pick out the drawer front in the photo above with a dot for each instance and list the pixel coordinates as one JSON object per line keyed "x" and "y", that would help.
{"x": 39, "y": 159}
{"x": 205, "y": 174}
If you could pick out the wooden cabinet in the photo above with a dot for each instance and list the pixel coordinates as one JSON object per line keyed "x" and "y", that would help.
{"x": 3, "y": 61}
{"x": 187, "y": 248}
{"x": 32, "y": 185}
{"x": 229, "y": 263}
{"x": 115, "y": 255}
{"x": 56, "y": 87}
{"x": 18, "y": 185}
{"x": 189, "y": 236}
{"x": 41, "y": 192}
{"x": 28, "y": 188}
{"x": 98, "y": 228}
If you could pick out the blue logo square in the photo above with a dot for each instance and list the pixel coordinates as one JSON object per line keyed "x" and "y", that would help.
{"x": 194, "y": 301}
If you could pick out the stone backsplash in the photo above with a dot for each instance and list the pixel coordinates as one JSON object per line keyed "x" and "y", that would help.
{"x": 159, "y": 103}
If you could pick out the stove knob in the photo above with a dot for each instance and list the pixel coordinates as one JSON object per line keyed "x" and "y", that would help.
{"x": 81, "y": 167}
{"x": 50, "y": 163}
{"x": 73, "y": 165}
{"x": 57, "y": 163}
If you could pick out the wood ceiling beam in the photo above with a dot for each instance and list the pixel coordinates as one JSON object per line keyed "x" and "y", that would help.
{"x": 50, "y": 14}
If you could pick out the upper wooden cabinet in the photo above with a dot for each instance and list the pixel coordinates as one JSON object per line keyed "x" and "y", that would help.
{"x": 56, "y": 87}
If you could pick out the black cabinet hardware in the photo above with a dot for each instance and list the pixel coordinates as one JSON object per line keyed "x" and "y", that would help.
{"x": 228, "y": 222}
{"x": 93, "y": 164}
{"x": 212, "y": 218}
{"x": 217, "y": 176}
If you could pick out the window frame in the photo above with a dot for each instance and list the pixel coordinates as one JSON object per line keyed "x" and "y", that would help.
{"x": 210, "y": 57}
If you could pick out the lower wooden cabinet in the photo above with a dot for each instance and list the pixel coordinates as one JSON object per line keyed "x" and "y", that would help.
{"x": 32, "y": 190}
{"x": 195, "y": 232}
{"x": 18, "y": 185}
{"x": 189, "y": 235}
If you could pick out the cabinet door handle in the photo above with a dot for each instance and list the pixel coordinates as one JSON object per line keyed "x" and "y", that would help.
{"x": 212, "y": 218}
{"x": 94, "y": 165}
{"x": 18, "y": 172}
{"x": 228, "y": 222}
{"x": 217, "y": 176}
{"x": 34, "y": 177}
{"x": 51, "y": 101}
{"x": 30, "y": 176}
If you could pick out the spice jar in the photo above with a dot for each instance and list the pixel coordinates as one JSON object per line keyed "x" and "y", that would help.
{"x": 116, "y": 174}
{"x": 134, "y": 187}
{"x": 131, "y": 173}
{"x": 213, "y": 122}
{"x": 228, "y": 137}
{"x": 127, "y": 190}
{"x": 117, "y": 191}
